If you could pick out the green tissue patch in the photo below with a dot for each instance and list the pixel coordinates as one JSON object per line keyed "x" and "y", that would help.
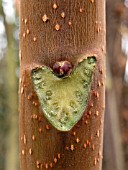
{"x": 63, "y": 100}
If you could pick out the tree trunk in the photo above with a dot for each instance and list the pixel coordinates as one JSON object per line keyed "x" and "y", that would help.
{"x": 113, "y": 151}
{"x": 49, "y": 32}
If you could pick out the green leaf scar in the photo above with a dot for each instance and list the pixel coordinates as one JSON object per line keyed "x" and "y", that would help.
{"x": 64, "y": 99}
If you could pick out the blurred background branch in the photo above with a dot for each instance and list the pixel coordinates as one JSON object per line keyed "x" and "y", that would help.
{"x": 9, "y": 88}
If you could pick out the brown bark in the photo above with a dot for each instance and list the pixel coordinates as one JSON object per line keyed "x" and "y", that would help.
{"x": 80, "y": 32}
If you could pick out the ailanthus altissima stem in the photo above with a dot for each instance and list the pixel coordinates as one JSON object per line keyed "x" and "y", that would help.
{"x": 52, "y": 32}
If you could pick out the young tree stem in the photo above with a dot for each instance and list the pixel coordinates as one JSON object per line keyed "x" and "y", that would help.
{"x": 52, "y": 31}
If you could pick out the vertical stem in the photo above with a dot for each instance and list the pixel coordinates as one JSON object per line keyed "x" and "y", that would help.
{"x": 78, "y": 32}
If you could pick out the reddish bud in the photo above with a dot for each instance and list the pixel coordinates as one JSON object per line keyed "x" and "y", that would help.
{"x": 62, "y": 68}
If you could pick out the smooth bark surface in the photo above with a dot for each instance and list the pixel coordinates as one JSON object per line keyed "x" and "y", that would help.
{"x": 73, "y": 29}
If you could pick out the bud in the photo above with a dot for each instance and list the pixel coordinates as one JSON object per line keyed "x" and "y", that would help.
{"x": 62, "y": 68}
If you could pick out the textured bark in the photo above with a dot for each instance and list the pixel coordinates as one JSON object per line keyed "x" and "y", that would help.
{"x": 81, "y": 32}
